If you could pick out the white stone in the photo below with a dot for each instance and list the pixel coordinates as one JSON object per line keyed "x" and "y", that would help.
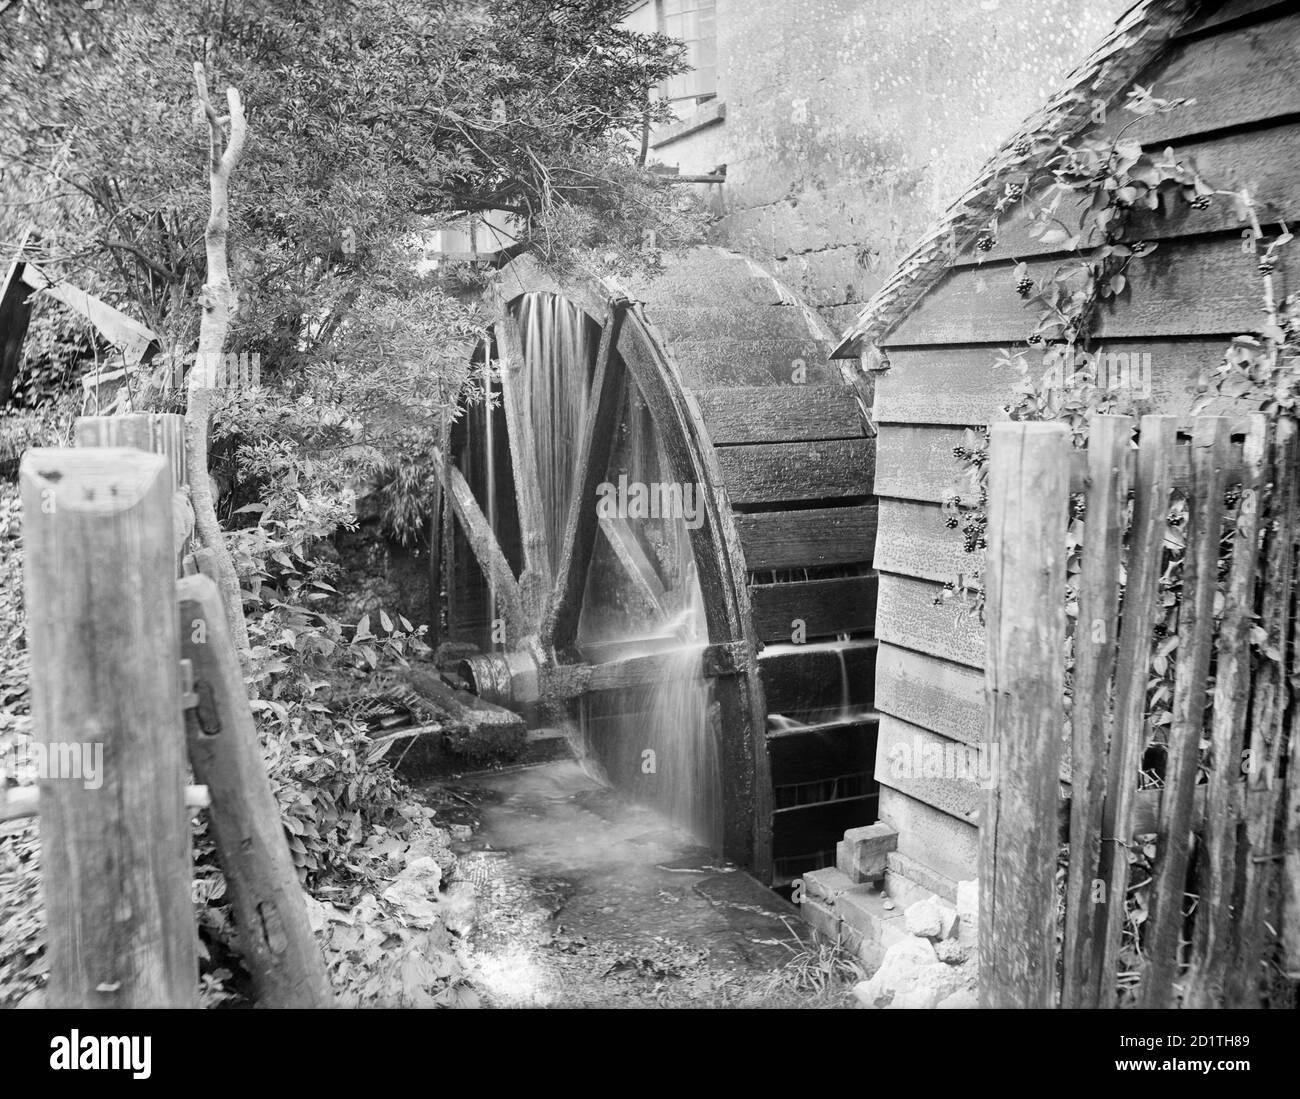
{"x": 963, "y": 999}
{"x": 924, "y": 919}
{"x": 910, "y": 976}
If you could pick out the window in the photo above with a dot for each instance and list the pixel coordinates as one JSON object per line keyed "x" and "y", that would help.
{"x": 694, "y": 22}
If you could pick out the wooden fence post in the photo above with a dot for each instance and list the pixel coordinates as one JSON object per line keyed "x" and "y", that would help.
{"x": 105, "y": 688}
{"x": 279, "y": 948}
{"x": 159, "y": 433}
{"x": 1029, "y": 486}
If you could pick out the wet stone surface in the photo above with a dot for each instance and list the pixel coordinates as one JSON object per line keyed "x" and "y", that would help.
{"x": 585, "y": 900}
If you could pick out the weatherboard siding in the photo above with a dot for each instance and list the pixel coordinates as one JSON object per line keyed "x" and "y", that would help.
{"x": 1198, "y": 289}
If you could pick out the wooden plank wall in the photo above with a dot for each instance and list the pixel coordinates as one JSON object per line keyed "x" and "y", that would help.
{"x": 1187, "y": 298}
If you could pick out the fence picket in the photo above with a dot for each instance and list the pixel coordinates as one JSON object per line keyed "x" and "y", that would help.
{"x": 1110, "y": 476}
{"x": 1024, "y": 677}
{"x": 1128, "y": 738}
{"x": 1195, "y": 642}
{"x": 1268, "y": 713}
{"x": 1225, "y": 803}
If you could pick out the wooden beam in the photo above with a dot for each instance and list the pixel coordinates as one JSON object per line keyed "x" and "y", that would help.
{"x": 275, "y": 935}
{"x": 100, "y": 588}
{"x": 487, "y": 551}
{"x": 523, "y": 460}
{"x": 637, "y": 566}
{"x": 25, "y": 801}
{"x": 1025, "y": 611}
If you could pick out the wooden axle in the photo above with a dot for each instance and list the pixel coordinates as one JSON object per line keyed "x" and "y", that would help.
{"x": 517, "y": 679}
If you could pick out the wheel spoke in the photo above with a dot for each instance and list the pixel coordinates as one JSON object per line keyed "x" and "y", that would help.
{"x": 523, "y": 459}
{"x": 483, "y": 542}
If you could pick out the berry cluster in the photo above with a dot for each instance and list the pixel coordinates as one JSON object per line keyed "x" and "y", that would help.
{"x": 1024, "y": 147}
{"x": 985, "y": 243}
{"x": 1034, "y": 339}
{"x": 1201, "y": 202}
{"x": 1014, "y": 192}
{"x": 1025, "y": 287}
{"x": 1139, "y": 247}
{"x": 1266, "y": 266}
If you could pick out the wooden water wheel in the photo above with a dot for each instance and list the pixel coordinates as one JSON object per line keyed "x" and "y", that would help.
{"x": 729, "y": 379}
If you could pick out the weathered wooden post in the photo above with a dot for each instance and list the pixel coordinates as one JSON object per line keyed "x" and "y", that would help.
{"x": 279, "y": 948}
{"x": 1029, "y": 486}
{"x": 159, "y": 433}
{"x": 99, "y": 571}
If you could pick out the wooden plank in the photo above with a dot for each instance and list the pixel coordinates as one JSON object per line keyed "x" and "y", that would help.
{"x": 1128, "y": 736}
{"x": 1238, "y": 77}
{"x": 935, "y": 694}
{"x": 604, "y": 405}
{"x": 1196, "y": 630}
{"x": 906, "y": 614}
{"x": 818, "y": 607}
{"x": 915, "y": 462}
{"x": 715, "y": 362}
{"x": 936, "y": 475}
{"x": 99, "y": 582}
{"x": 827, "y": 675}
{"x": 918, "y": 543}
{"x": 1265, "y": 161}
{"x": 809, "y": 538}
{"x": 964, "y": 385}
{"x": 1096, "y": 637}
{"x": 275, "y": 936}
{"x": 1268, "y": 725}
{"x": 1186, "y": 287}
{"x": 1227, "y": 734}
{"x": 780, "y": 413}
{"x": 824, "y": 751}
{"x": 1029, "y": 480}
{"x": 1232, "y": 11}
{"x": 945, "y": 774}
{"x": 810, "y": 470}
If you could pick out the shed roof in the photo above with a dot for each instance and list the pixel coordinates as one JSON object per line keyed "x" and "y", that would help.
{"x": 1138, "y": 37}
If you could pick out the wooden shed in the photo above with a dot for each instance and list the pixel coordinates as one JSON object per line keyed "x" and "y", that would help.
{"x": 934, "y": 333}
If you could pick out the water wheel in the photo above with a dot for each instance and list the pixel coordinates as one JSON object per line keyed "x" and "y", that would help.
{"x": 665, "y": 524}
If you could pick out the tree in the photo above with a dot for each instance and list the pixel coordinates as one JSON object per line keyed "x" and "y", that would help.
{"x": 370, "y": 121}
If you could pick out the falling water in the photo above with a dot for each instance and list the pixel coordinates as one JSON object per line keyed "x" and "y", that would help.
{"x": 657, "y": 741}
{"x": 491, "y": 471}
{"x": 662, "y": 738}
{"x": 559, "y": 345}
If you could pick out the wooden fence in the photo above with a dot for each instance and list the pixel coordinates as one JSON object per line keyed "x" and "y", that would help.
{"x": 1180, "y": 806}
{"x": 139, "y": 665}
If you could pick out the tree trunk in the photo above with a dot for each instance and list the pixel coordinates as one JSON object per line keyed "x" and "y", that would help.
{"x": 217, "y": 300}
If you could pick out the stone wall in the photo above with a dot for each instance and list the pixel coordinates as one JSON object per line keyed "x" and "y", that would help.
{"x": 850, "y": 124}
